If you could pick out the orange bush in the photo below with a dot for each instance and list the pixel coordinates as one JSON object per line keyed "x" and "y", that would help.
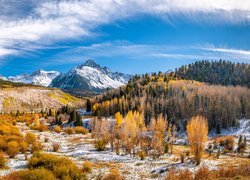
{"x": 36, "y": 146}
{"x": 2, "y": 161}
{"x": 57, "y": 129}
{"x": 30, "y": 138}
{"x": 13, "y": 149}
{"x": 69, "y": 130}
{"x": 23, "y": 146}
{"x": 81, "y": 130}
{"x": 113, "y": 175}
{"x": 204, "y": 173}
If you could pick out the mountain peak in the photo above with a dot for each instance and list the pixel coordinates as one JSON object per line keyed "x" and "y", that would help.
{"x": 37, "y": 72}
{"x": 91, "y": 63}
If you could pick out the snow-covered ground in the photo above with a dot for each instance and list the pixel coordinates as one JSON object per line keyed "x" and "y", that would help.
{"x": 80, "y": 148}
{"x": 242, "y": 129}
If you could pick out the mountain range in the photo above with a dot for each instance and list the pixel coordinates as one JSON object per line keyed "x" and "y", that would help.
{"x": 86, "y": 79}
{"x": 89, "y": 78}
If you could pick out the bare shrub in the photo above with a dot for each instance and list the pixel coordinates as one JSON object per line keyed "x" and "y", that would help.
{"x": 55, "y": 146}
{"x": 182, "y": 156}
{"x": 46, "y": 139}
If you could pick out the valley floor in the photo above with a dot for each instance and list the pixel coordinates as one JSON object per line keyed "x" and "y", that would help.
{"x": 80, "y": 148}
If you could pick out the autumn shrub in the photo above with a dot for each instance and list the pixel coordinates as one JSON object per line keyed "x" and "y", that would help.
{"x": 113, "y": 175}
{"x": 57, "y": 129}
{"x": 42, "y": 127}
{"x": 13, "y": 149}
{"x": 13, "y": 122}
{"x": 36, "y": 146}
{"x": 142, "y": 155}
{"x": 231, "y": 172}
{"x": 172, "y": 175}
{"x": 61, "y": 167}
{"x": 3, "y": 144}
{"x": 185, "y": 174}
{"x": 100, "y": 145}
{"x": 69, "y": 130}
{"x": 55, "y": 146}
{"x": 226, "y": 141}
{"x": 87, "y": 167}
{"x": 23, "y": 146}
{"x": 30, "y": 138}
{"x": 203, "y": 173}
{"x": 81, "y": 130}
{"x": 3, "y": 161}
{"x": 32, "y": 174}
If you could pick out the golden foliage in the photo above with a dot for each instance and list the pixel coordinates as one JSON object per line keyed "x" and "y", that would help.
{"x": 57, "y": 129}
{"x": 61, "y": 167}
{"x": 87, "y": 167}
{"x": 41, "y": 174}
{"x": 197, "y": 130}
{"x": 81, "y": 130}
{"x": 30, "y": 138}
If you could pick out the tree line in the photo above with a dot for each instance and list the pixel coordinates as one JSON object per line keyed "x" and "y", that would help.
{"x": 177, "y": 100}
{"x": 216, "y": 72}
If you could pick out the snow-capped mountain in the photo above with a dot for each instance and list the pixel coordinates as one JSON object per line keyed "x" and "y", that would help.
{"x": 39, "y": 77}
{"x": 90, "y": 77}
{"x": 3, "y": 78}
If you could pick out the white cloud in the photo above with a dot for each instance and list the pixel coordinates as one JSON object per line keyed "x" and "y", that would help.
{"x": 50, "y": 21}
{"x": 5, "y": 52}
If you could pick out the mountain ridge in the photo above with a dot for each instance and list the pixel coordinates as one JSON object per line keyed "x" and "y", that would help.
{"x": 38, "y": 77}
{"x": 89, "y": 77}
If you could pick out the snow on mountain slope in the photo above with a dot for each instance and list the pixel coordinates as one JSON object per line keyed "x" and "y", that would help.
{"x": 40, "y": 77}
{"x": 90, "y": 76}
{"x": 3, "y": 78}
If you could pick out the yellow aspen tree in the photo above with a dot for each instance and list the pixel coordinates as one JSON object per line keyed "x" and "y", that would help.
{"x": 158, "y": 130}
{"x": 118, "y": 133}
{"x": 197, "y": 130}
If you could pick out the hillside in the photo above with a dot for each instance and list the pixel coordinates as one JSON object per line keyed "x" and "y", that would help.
{"x": 32, "y": 98}
{"x": 178, "y": 100}
{"x": 216, "y": 72}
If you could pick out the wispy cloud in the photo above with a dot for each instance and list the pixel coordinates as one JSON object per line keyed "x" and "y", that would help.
{"x": 127, "y": 50}
{"x": 45, "y": 22}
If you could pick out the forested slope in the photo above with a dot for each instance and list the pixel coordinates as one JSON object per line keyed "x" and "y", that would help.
{"x": 216, "y": 72}
{"x": 176, "y": 99}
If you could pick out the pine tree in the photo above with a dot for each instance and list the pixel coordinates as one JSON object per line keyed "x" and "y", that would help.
{"x": 72, "y": 116}
{"x": 78, "y": 121}
{"x": 88, "y": 106}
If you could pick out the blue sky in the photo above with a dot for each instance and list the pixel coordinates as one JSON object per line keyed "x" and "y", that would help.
{"x": 125, "y": 35}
